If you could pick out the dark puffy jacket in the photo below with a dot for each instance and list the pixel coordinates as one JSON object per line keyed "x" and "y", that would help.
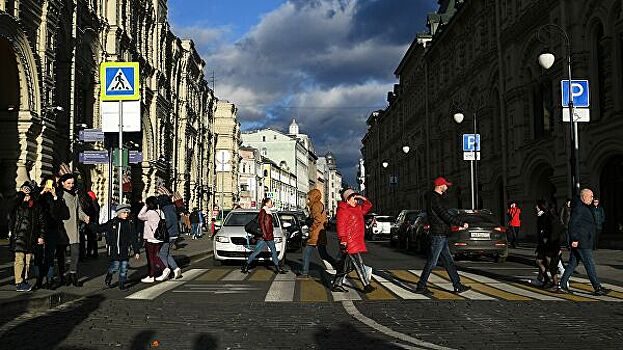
{"x": 49, "y": 208}
{"x": 121, "y": 235}
{"x": 351, "y": 226}
{"x": 439, "y": 218}
{"x": 582, "y": 224}
{"x": 27, "y": 224}
{"x": 170, "y": 215}
{"x": 266, "y": 224}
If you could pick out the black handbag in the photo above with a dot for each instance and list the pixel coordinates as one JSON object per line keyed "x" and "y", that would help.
{"x": 162, "y": 232}
{"x": 253, "y": 227}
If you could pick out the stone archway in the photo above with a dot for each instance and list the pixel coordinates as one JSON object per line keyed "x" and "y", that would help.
{"x": 611, "y": 194}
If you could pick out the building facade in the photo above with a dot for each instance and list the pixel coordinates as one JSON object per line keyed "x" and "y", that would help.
{"x": 480, "y": 57}
{"x": 52, "y": 50}
{"x": 226, "y": 155}
{"x": 333, "y": 182}
{"x": 251, "y": 178}
{"x": 280, "y": 184}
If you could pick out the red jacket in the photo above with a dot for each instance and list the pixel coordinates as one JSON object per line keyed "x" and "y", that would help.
{"x": 266, "y": 224}
{"x": 351, "y": 226}
{"x": 514, "y": 213}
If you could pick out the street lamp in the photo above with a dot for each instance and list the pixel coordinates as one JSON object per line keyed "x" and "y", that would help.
{"x": 385, "y": 164}
{"x": 546, "y": 60}
{"x": 458, "y": 118}
{"x": 406, "y": 149}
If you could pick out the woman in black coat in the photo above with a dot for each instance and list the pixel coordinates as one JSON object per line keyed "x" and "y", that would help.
{"x": 548, "y": 246}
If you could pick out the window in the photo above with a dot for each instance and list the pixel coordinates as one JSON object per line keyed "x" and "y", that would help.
{"x": 263, "y": 138}
{"x": 543, "y": 110}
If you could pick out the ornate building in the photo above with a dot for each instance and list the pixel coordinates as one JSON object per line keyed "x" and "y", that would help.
{"x": 480, "y": 57}
{"x": 226, "y": 158}
{"x": 50, "y": 52}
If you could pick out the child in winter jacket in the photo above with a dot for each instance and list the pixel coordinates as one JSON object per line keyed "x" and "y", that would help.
{"x": 120, "y": 234}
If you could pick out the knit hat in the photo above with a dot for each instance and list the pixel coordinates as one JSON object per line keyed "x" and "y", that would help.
{"x": 123, "y": 208}
{"x": 27, "y": 185}
{"x": 348, "y": 193}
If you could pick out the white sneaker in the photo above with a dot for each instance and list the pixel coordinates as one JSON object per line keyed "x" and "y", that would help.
{"x": 368, "y": 272}
{"x": 177, "y": 273}
{"x": 147, "y": 280}
{"x": 165, "y": 274}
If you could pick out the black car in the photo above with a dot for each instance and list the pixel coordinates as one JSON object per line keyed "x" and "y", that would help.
{"x": 484, "y": 236}
{"x": 295, "y": 232}
{"x": 404, "y": 221}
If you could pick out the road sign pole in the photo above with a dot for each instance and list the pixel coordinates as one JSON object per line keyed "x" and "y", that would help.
{"x": 120, "y": 152}
{"x": 475, "y": 165}
{"x": 222, "y": 186}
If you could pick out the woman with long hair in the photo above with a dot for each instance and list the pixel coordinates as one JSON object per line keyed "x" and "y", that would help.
{"x": 265, "y": 219}
{"x": 151, "y": 215}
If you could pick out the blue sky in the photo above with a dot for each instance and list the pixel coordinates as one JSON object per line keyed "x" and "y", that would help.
{"x": 327, "y": 63}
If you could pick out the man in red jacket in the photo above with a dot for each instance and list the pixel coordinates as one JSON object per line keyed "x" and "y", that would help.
{"x": 350, "y": 232}
{"x": 514, "y": 223}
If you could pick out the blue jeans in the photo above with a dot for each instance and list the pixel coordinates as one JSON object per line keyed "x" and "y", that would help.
{"x": 439, "y": 249}
{"x": 586, "y": 255}
{"x": 121, "y": 266}
{"x": 322, "y": 250}
{"x": 260, "y": 246}
{"x": 166, "y": 257}
{"x": 196, "y": 230}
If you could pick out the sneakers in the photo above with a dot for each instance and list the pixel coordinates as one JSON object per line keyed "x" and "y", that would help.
{"x": 281, "y": 270}
{"x": 368, "y": 289}
{"x": 23, "y": 287}
{"x": 601, "y": 291}
{"x": 422, "y": 290}
{"x": 177, "y": 273}
{"x": 148, "y": 279}
{"x": 461, "y": 289}
{"x": 165, "y": 274}
{"x": 108, "y": 280}
{"x": 368, "y": 271}
{"x": 339, "y": 289}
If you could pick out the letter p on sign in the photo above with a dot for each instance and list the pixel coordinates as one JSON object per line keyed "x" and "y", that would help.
{"x": 579, "y": 93}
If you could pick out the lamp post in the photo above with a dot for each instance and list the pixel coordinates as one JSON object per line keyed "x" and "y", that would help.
{"x": 546, "y": 60}
{"x": 458, "y": 118}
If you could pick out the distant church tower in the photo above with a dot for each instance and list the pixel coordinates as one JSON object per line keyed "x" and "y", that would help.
{"x": 294, "y": 128}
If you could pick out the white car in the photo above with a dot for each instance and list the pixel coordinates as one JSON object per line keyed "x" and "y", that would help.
{"x": 230, "y": 242}
{"x": 381, "y": 226}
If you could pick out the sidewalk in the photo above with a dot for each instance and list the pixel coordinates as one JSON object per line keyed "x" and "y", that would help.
{"x": 92, "y": 272}
{"x": 609, "y": 261}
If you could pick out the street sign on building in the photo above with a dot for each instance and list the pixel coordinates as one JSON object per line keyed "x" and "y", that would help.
{"x": 579, "y": 93}
{"x": 120, "y": 81}
{"x": 131, "y": 116}
{"x": 94, "y": 157}
{"x": 470, "y": 155}
{"x": 135, "y": 157}
{"x": 471, "y": 142}
{"x": 91, "y": 135}
{"x": 222, "y": 161}
{"x": 581, "y": 115}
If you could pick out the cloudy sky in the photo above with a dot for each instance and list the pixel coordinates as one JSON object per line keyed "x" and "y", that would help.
{"x": 327, "y": 63}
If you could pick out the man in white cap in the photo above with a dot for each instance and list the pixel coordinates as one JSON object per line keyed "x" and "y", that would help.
{"x": 440, "y": 221}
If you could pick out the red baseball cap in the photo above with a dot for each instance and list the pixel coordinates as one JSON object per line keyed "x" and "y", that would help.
{"x": 440, "y": 181}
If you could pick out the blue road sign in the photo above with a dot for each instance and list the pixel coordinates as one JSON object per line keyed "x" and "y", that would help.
{"x": 91, "y": 135}
{"x": 579, "y": 93}
{"x": 471, "y": 142}
{"x": 94, "y": 157}
{"x": 135, "y": 157}
{"x": 119, "y": 81}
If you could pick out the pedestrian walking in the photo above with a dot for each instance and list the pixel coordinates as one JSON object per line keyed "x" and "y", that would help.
{"x": 93, "y": 212}
{"x": 44, "y": 258}
{"x": 121, "y": 235}
{"x": 70, "y": 212}
{"x": 151, "y": 216}
{"x": 582, "y": 229}
{"x": 514, "y": 223}
{"x": 265, "y": 219}
{"x": 351, "y": 233}
{"x": 212, "y": 227}
{"x": 548, "y": 247}
{"x": 27, "y": 226}
{"x": 563, "y": 217}
{"x": 195, "y": 223}
{"x": 317, "y": 232}
{"x": 170, "y": 214}
{"x": 600, "y": 217}
{"x": 440, "y": 221}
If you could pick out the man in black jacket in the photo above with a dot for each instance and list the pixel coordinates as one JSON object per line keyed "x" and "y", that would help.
{"x": 582, "y": 228}
{"x": 440, "y": 221}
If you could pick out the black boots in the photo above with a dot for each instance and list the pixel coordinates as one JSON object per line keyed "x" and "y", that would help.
{"x": 108, "y": 280}
{"x": 73, "y": 279}
{"x": 122, "y": 285}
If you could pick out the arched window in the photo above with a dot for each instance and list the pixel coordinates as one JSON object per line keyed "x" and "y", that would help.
{"x": 543, "y": 109}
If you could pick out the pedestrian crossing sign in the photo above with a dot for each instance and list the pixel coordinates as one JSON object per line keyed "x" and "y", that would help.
{"x": 119, "y": 81}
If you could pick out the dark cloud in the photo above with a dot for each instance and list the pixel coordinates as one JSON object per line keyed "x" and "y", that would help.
{"x": 329, "y": 63}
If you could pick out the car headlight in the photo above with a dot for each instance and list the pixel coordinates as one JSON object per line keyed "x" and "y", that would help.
{"x": 278, "y": 239}
{"x": 222, "y": 239}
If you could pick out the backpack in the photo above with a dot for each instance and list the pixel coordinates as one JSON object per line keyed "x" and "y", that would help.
{"x": 162, "y": 232}
{"x": 253, "y": 227}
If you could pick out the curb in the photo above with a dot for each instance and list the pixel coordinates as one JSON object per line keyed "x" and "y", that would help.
{"x": 30, "y": 302}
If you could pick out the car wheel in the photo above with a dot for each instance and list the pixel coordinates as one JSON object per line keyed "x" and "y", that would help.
{"x": 217, "y": 262}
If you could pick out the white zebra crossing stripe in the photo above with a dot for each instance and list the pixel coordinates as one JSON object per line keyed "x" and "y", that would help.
{"x": 158, "y": 289}
{"x": 607, "y": 285}
{"x": 350, "y": 295}
{"x": 399, "y": 291}
{"x": 442, "y": 283}
{"x": 235, "y": 275}
{"x": 586, "y": 294}
{"x": 282, "y": 288}
{"x": 509, "y": 288}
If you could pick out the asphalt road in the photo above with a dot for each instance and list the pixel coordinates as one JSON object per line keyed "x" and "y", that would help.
{"x": 220, "y": 308}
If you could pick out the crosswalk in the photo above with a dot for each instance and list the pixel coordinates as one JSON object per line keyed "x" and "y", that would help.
{"x": 390, "y": 285}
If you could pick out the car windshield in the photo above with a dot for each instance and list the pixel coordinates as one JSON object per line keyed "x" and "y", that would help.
{"x": 242, "y": 218}
{"x": 288, "y": 218}
{"x": 385, "y": 219}
{"x": 412, "y": 216}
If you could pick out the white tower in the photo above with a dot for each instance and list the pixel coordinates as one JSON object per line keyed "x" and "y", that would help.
{"x": 294, "y": 128}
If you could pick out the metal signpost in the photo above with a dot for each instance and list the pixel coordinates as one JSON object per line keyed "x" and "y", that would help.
{"x": 222, "y": 164}
{"x": 471, "y": 152}
{"x": 120, "y": 82}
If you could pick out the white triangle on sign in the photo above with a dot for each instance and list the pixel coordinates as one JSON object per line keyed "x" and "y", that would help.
{"x": 120, "y": 82}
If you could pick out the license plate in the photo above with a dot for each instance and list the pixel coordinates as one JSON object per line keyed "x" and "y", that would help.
{"x": 240, "y": 248}
{"x": 480, "y": 235}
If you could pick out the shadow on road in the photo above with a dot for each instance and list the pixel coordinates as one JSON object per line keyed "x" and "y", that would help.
{"x": 345, "y": 336}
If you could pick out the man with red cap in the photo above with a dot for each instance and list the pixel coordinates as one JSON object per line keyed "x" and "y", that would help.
{"x": 440, "y": 221}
